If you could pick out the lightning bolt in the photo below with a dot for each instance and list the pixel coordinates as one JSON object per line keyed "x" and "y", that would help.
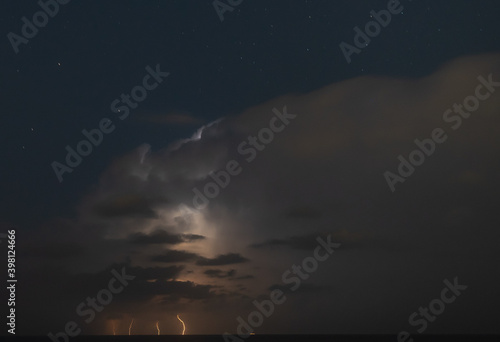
{"x": 183, "y": 325}
{"x": 114, "y": 328}
{"x": 130, "y": 326}
{"x": 157, "y": 328}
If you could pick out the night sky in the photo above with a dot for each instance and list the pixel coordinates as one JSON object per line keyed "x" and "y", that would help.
{"x": 208, "y": 157}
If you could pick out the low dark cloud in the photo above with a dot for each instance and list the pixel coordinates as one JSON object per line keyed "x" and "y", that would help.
{"x": 161, "y": 236}
{"x": 216, "y": 273}
{"x": 303, "y": 242}
{"x": 157, "y": 273}
{"x": 245, "y": 277}
{"x": 192, "y": 237}
{"x": 223, "y": 259}
{"x": 81, "y": 285}
{"x": 173, "y": 291}
{"x": 174, "y": 256}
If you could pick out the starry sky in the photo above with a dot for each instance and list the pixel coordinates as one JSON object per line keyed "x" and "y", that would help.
{"x": 214, "y": 83}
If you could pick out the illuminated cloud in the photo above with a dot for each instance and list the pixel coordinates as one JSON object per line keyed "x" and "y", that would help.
{"x": 322, "y": 174}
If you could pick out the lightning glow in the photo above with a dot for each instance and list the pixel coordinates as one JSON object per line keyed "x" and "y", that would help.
{"x": 130, "y": 327}
{"x": 183, "y": 325}
{"x": 157, "y": 328}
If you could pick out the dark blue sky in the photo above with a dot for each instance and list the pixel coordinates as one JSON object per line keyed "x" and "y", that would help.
{"x": 261, "y": 50}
